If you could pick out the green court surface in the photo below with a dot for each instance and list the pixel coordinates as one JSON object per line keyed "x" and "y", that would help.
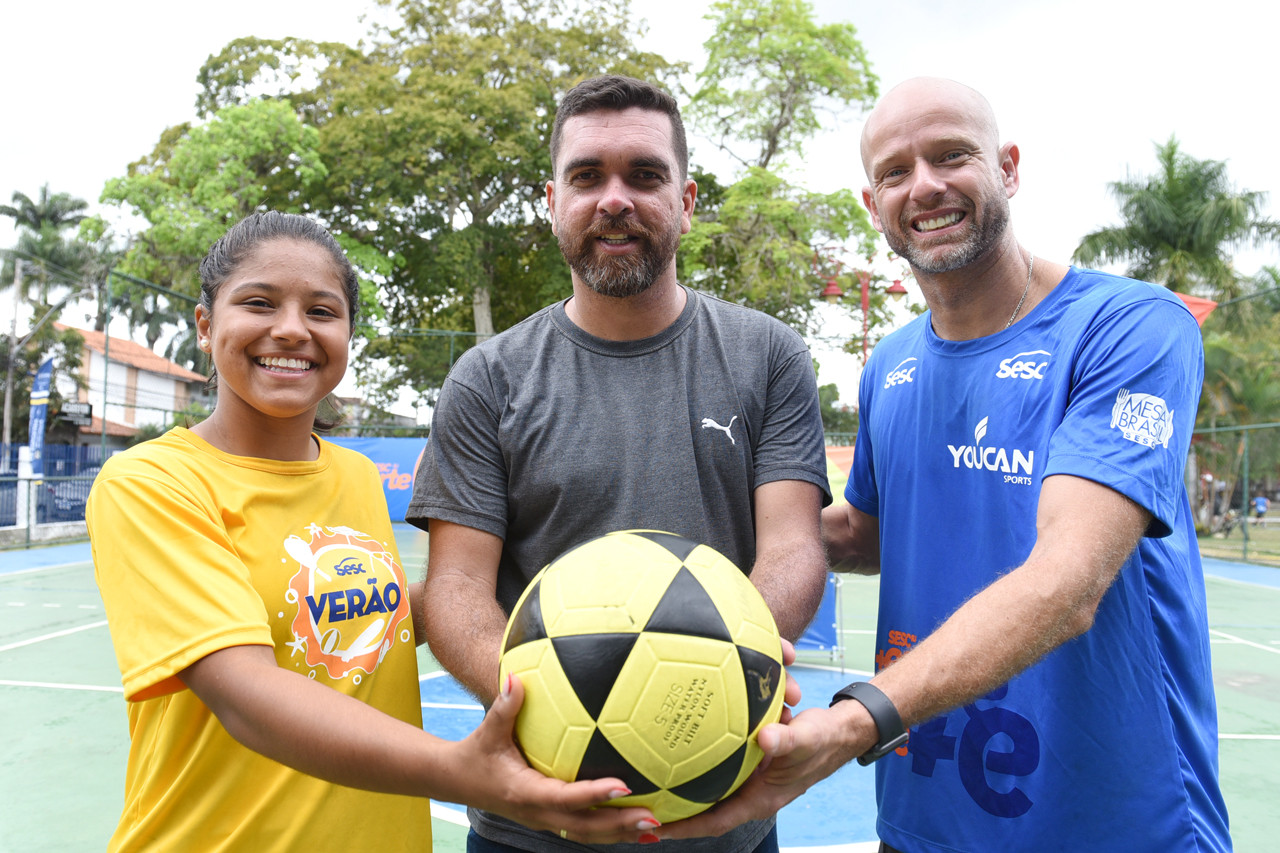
{"x": 62, "y": 769}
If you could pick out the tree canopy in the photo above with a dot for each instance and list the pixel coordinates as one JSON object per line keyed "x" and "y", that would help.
{"x": 1181, "y": 226}
{"x": 424, "y": 149}
{"x": 772, "y": 73}
{"x": 43, "y": 244}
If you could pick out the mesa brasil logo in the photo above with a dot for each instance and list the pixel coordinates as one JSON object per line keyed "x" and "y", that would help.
{"x": 350, "y": 597}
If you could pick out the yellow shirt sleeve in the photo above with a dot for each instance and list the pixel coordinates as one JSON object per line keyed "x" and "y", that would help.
{"x": 174, "y": 587}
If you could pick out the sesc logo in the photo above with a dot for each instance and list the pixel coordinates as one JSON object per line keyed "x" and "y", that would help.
{"x": 1024, "y": 365}
{"x": 904, "y": 372}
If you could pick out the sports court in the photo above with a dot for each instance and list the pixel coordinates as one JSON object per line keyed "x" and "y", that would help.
{"x": 62, "y": 771}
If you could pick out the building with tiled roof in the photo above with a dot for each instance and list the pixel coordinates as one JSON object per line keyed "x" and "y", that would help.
{"x": 141, "y": 387}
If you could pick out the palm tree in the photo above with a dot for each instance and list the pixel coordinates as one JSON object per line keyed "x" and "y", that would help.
{"x": 1181, "y": 226}
{"x": 41, "y": 224}
{"x": 59, "y": 210}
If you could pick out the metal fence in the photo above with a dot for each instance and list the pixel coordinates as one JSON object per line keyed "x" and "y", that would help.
{"x": 1231, "y": 467}
{"x": 48, "y": 500}
{"x": 1228, "y": 469}
{"x": 49, "y": 507}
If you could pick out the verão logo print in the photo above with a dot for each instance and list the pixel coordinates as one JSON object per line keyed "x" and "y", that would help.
{"x": 350, "y": 596}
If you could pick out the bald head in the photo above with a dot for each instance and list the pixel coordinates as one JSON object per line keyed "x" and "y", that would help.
{"x": 923, "y": 99}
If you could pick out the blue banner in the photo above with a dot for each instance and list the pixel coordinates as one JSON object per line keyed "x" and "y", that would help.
{"x": 39, "y": 416}
{"x": 397, "y": 460}
{"x": 823, "y": 633}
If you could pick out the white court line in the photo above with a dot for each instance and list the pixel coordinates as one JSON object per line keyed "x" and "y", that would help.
{"x": 1238, "y": 581}
{"x": 16, "y": 572}
{"x": 445, "y": 706}
{"x": 52, "y": 686}
{"x": 1242, "y": 640}
{"x": 449, "y": 814}
{"x": 427, "y": 676}
{"x": 1247, "y": 737}
{"x": 52, "y": 636}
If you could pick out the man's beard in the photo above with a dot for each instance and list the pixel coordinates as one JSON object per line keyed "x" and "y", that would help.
{"x": 620, "y": 276}
{"x": 985, "y": 234}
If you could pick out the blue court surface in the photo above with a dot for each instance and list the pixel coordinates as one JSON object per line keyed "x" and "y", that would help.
{"x": 58, "y": 677}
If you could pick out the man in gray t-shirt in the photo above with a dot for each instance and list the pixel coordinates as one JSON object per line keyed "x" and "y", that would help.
{"x": 635, "y": 403}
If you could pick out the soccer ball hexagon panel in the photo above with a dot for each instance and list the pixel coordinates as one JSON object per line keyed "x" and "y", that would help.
{"x": 647, "y": 657}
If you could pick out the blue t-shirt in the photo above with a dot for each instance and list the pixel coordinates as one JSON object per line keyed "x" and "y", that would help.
{"x": 1109, "y": 742}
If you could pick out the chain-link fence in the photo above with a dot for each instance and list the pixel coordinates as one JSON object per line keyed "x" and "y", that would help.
{"x": 1233, "y": 477}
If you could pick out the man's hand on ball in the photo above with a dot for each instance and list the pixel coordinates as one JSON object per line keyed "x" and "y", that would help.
{"x": 797, "y": 754}
{"x": 502, "y": 782}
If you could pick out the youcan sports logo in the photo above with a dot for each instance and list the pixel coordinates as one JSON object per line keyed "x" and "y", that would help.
{"x": 1017, "y": 466}
{"x": 351, "y": 602}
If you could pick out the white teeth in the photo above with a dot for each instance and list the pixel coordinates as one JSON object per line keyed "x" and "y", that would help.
{"x": 938, "y": 222}
{"x": 285, "y": 363}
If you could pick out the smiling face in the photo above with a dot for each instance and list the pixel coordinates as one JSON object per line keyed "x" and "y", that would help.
{"x": 278, "y": 333}
{"x": 618, "y": 201}
{"x": 940, "y": 181}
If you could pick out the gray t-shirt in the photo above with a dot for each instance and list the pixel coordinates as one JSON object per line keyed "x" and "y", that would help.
{"x": 547, "y": 436}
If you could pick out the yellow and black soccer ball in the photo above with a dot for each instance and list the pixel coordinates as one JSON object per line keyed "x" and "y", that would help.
{"x": 650, "y": 658}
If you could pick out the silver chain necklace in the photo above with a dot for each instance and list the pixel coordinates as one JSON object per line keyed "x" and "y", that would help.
{"x": 1030, "y": 266}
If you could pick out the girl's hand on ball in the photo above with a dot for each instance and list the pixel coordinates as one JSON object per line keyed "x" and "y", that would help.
{"x": 505, "y": 784}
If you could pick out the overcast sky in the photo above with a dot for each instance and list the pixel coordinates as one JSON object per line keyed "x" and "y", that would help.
{"x": 1085, "y": 87}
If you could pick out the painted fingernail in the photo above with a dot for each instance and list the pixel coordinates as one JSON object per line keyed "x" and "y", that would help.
{"x": 648, "y": 823}
{"x": 506, "y": 687}
{"x": 619, "y": 793}
{"x": 649, "y": 838}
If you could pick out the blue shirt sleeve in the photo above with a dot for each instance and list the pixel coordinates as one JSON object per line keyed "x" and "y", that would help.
{"x": 1136, "y": 380}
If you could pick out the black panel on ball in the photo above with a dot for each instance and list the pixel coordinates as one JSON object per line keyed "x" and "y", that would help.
{"x": 711, "y": 786}
{"x": 592, "y": 662}
{"x": 686, "y": 608}
{"x": 677, "y": 545}
{"x": 601, "y": 760}
{"x": 526, "y": 623}
{"x": 763, "y": 676}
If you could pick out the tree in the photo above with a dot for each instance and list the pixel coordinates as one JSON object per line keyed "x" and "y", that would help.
{"x": 836, "y": 417}
{"x": 42, "y": 244}
{"x": 772, "y": 74}
{"x": 65, "y": 347}
{"x": 435, "y": 136}
{"x": 1181, "y": 225}
{"x": 1241, "y": 387}
{"x": 197, "y": 182}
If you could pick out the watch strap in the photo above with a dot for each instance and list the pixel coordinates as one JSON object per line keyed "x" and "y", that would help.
{"x": 888, "y": 722}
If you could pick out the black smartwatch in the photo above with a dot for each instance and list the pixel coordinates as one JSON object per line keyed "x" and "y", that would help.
{"x": 885, "y": 716}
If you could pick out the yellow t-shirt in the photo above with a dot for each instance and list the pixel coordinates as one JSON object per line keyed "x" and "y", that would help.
{"x": 197, "y": 550}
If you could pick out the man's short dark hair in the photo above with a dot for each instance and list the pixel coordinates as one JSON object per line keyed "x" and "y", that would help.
{"x": 615, "y": 92}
